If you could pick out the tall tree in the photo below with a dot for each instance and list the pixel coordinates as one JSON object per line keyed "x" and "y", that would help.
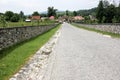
{"x": 100, "y": 12}
{"x": 35, "y": 14}
{"x": 118, "y": 13}
{"x": 21, "y": 14}
{"x": 51, "y": 11}
{"x": 67, "y": 13}
{"x": 110, "y": 13}
{"x": 74, "y": 13}
{"x": 106, "y": 3}
{"x": 8, "y": 15}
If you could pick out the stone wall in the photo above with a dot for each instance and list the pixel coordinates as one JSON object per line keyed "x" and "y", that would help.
{"x": 114, "y": 28}
{"x": 11, "y": 36}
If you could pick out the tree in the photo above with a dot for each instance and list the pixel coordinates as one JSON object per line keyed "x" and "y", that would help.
{"x": 110, "y": 13}
{"x": 1, "y": 14}
{"x": 118, "y": 13}
{"x": 106, "y": 3}
{"x": 21, "y": 14}
{"x": 15, "y": 18}
{"x": 114, "y": 20}
{"x": 35, "y": 14}
{"x": 51, "y": 11}
{"x": 8, "y": 15}
{"x": 100, "y": 12}
{"x": 67, "y": 13}
{"x": 43, "y": 15}
{"x": 74, "y": 13}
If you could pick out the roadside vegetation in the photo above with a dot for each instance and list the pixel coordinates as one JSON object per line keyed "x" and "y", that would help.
{"x": 21, "y": 24}
{"x": 13, "y": 58}
{"x": 11, "y": 19}
{"x": 98, "y": 31}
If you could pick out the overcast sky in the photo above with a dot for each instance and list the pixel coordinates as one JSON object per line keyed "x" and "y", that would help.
{"x": 29, "y": 6}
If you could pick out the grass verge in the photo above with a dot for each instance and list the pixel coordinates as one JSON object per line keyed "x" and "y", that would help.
{"x": 14, "y": 58}
{"x": 98, "y": 31}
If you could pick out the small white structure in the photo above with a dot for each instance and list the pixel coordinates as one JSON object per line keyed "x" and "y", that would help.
{"x": 44, "y": 18}
{"x": 28, "y": 20}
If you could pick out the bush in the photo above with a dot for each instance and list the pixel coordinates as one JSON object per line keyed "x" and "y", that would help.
{"x": 15, "y": 18}
{"x": 3, "y": 21}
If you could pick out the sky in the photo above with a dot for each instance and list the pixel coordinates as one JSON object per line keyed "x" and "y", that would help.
{"x": 29, "y": 6}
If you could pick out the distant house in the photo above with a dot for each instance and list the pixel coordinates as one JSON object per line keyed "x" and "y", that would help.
{"x": 51, "y": 17}
{"x": 44, "y": 18}
{"x": 36, "y": 18}
{"x": 60, "y": 19}
{"x": 92, "y": 17}
{"x": 78, "y": 18}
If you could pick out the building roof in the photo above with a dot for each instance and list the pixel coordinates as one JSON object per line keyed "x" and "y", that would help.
{"x": 51, "y": 17}
{"x": 35, "y": 17}
{"x": 78, "y": 18}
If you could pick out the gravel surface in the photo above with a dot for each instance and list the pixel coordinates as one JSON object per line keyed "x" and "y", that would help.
{"x": 84, "y": 55}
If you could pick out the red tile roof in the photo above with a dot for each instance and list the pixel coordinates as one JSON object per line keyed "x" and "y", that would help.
{"x": 35, "y": 17}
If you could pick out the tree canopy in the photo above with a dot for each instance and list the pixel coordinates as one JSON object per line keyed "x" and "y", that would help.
{"x": 100, "y": 12}
{"x": 35, "y": 14}
{"x": 51, "y": 11}
{"x": 74, "y": 13}
{"x": 108, "y": 13}
{"x": 15, "y": 17}
{"x": 8, "y": 15}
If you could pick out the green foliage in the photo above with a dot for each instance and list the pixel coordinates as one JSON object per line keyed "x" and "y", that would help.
{"x": 106, "y": 3}
{"x": 87, "y": 19}
{"x": 35, "y": 14}
{"x": 118, "y": 14}
{"x": 87, "y": 12}
{"x": 114, "y": 20}
{"x": 100, "y": 12}
{"x": 22, "y": 16}
{"x": 21, "y": 24}
{"x": 103, "y": 19}
{"x": 59, "y": 14}
{"x": 110, "y": 13}
{"x": 8, "y": 15}
{"x": 1, "y": 14}
{"x": 74, "y": 13}
{"x": 51, "y": 11}
{"x": 3, "y": 21}
{"x": 43, "y": 15}
{"x": 67, "y": 13}
{"x": 15, "y": 18}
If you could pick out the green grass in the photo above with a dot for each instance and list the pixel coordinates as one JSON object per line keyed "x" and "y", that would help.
{"x": 12, "y": 59}
{"x": 98, "y": 31}
{"x": 21, "y": 24}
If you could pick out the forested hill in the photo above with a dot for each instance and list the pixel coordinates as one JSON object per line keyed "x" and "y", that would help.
{"x": 87, "y": 12}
